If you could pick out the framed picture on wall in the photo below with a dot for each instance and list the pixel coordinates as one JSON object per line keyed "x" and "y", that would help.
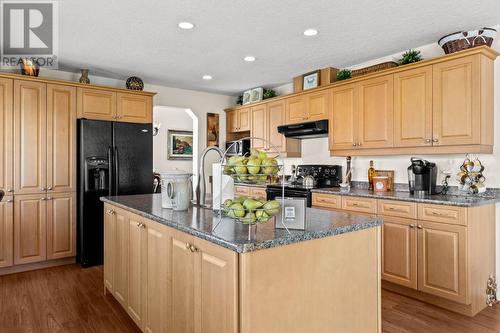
{"x": 212, "y": 129}
{"x": 179, "y": 145}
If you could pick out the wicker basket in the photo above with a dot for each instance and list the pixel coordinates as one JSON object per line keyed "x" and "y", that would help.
{"x": 463, "y": 40}
{"x": 374, "y": 68}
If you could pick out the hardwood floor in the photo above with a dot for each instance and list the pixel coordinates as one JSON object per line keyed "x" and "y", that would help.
{"x": 70, "y": 299}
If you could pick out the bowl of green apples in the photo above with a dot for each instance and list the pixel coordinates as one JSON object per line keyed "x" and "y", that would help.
{"x": 253, "y": 169}
{"x": 251, "y": 211}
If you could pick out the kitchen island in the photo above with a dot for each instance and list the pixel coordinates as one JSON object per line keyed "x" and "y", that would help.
{"x": 173, "y": 272}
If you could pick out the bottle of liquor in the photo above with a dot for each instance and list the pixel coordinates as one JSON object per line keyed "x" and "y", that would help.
{"x": 371, "y": 173}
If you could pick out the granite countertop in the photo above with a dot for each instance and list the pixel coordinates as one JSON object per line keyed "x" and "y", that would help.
{"x": 264, "y": 185}
{"x": 199, "y": 222}
{"x": 438, "y": 199}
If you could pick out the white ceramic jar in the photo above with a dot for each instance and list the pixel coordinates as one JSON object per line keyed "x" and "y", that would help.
{"x": 176, "y": 190}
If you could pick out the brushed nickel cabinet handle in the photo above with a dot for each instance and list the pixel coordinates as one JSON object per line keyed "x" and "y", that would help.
{"x": 188, "y": 246}
{"x": 110, "y": 212}
{"x": 193, "y": 248}
{"x": 359, "y": 144}
{"x": 428, "y": 140}
{"x": 354, "y": 144}
{"x": 435, "y": 140}
{"x": 49, "y": 188}
{"x": 10, "y": 190}
{"x": 420, "y": 227}
{"x": 412, "y": 226}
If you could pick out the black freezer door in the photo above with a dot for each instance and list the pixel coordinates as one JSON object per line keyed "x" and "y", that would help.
{"x": 95, "y": 138}
{"x": 133, "y": 158}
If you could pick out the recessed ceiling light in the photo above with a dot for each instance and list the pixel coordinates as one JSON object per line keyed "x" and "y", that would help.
{"x": 186, "y": 25}
{"x": 310, "y": 32}
{"x": 249, "y": 58}
{"x": 207, "y": 77}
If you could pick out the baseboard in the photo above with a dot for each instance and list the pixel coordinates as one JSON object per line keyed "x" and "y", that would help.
{"x": 37, "y": 265}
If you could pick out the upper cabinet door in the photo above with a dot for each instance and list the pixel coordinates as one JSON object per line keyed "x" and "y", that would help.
{"x": 296, "y": 110}
{"x": 30, "y": 145}
{"x": 344, "y": 117}
{"x": 244, "y": 120}
{"x": 457, "y": 107}
{"x": 134, "y": 108}
{"x": 275, "y": 118}
{"x": 96, "y": 104}
{"x": 6, "y": 136}
{"x": 61, "y": 138}
{"x": 232, "y": 121}
{"x": 376, "y": 112}
{"x": 413, "y": 108}
{"x": 258, "y": 120}
{"x": 318, "y": 105}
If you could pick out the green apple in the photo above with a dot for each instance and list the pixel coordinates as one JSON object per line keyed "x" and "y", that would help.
{"x": 262, "y": 216}
{"x": 252, "y": 204}
{"x": 249, "y": 218}
{"x": 237, "y": 209}
{"x": 253, "y": 166}
{"x": 272, "y": 207}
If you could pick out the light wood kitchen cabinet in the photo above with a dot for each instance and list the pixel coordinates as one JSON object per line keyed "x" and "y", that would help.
{"x": 136, "y": 272}
{"x": 96, "y": 104}
{"x": 30, "y": 228}
{"x": 134, "y": 108}
{"x": 250, "y": 191}
{"x": 6, "y": 232}
{"x": 258, "y": 126}
{"x": 61, "y": 225}
{"x": 318, "y": 105}
{"x": 296, "y": 109}
{"x": 30, "y": 137}
{"x": 120, "y": 282}
{"x": 241, "y": 190}
{"x": 6, "y": 135}
{"x": 157, "y": 285}
{"x": 109, "y": 248}
{"x": 413, "y": 107}
{"x": 216, "y": 286}
{"x": 375, "y": 115}
{"x": 238, "y": 120}
{"x": 182, "y": 276}
{"x": 457, "y": 102}
{"x": 344, "y": 118}
{"x": 399, "y": 251}
{"x": 61, "y": 138}
{"x": 442, "y": 267}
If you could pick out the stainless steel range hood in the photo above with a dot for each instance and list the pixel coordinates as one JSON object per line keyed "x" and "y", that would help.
{"x": 309, "y": 130}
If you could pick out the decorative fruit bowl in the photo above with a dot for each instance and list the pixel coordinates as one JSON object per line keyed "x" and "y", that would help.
{"x": 251, "y": 211}
{"x": 253, "y": 169}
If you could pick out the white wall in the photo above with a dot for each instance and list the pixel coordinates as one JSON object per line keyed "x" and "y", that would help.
{"x": 173, "y": 119}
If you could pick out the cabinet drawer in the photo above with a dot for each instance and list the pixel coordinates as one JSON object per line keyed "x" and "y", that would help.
{"x": 397, "y": 208}
{"x": 439, "y": 213}
{"x": 362, "y": 205}
{"x": 241, "y": 190}
{"x": 258, "y": 193}
{"x": 326, "y": 200}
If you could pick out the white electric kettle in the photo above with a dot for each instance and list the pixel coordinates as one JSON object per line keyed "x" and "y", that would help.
{"x": 176, "y": 190}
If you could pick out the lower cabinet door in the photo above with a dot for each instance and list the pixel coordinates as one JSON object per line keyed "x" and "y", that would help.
{"x": 156, "y": 317}
{"x": 120, "y": 290}
{"x": 30, "y": 228}
{"x": 216, "y": 288}
{"x": 399, "y": 251}
{"x": 182, "y": 287}
{"x": 136, "y": 268}
{"x": 109, "y": 247}
{"x": 61, "y": 225}
{"x": 6, "y": 232}
{"x": 442, "y": 263}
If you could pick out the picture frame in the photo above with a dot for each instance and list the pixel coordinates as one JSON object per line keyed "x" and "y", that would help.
{"x": 213, "y": 130}
{"x": 256, "y": 95}
{"x": 311, "y": 80}
{"x": 390, "y": 175}
{"x": 247, "y": 97}
{"x": 179, "y": 145}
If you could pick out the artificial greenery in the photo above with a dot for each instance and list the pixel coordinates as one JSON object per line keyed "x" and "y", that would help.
{"x": 269, "y": 93}
{"x": 344, "y": 74}
{"x": 239, "y": 101}
{"x": 410, "y": 56}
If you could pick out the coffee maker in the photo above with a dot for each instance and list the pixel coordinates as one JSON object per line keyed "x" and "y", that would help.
{"x": 422, "y": 176}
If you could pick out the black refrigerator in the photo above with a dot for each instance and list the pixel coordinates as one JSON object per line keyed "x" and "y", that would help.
{"x": 113, "y": 159}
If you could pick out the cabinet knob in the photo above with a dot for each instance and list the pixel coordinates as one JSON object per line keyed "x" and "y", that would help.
{"x": 420, "y": 227}
{"x": 354, "y": 144}
{"x": 49, "y": 198}
{"x": 49, "y": 188}
{"x": 7, "y": 201}
{"x": 43, "y": 188}
{"x": 188, "y": 246}
{"x": 428, "y": 140}
{"x": 359, "y": 144}
{"x": 193, "y": 248}
{"x": 412, "y": 226}
{"x": 110, "y": 212}
{"x": 10, "y": 190}
{"x": 43, "y": 199}
{"x": 435, "y": 140}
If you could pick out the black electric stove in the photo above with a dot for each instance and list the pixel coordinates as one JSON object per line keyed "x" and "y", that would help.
{"x": 324, "y": 176}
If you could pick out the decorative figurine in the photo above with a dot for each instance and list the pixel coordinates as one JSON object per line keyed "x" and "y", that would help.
{"x": 85, "y": 76}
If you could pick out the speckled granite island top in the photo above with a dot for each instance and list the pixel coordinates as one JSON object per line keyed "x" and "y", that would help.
{"x": 199, "y": 222}
{"x": 438, "y": 199}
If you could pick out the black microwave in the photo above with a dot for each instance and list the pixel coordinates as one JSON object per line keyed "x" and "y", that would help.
{"x": 238, "y": 147}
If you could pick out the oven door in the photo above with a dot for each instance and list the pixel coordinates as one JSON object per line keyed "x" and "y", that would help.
{"x": 276, "y": 192}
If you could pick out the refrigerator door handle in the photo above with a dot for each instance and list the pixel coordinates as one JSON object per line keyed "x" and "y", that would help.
{"x": 110, "y": 171}
{"x": 115, "y": 166}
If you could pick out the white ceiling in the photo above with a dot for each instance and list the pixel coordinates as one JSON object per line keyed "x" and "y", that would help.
{"x": 119, "y": 38}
